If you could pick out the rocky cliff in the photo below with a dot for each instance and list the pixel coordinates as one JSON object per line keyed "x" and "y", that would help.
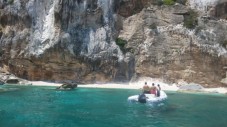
{"x": 105, "y": 40}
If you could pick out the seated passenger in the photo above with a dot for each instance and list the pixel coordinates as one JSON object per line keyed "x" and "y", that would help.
{"x": 153, "y": 89}
{"x": 146, "y": 88}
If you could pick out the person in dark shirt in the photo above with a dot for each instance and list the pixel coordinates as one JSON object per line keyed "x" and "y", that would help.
{"x": 158, "y": 90}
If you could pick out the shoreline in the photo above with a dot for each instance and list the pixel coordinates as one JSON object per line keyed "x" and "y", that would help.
{"x": 181, "y": 86}
{"x": 219, "y": 90}
{"x": 138, "y": 86}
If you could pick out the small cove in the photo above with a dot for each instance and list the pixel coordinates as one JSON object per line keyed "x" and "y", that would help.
{"x": 30, "y": 106}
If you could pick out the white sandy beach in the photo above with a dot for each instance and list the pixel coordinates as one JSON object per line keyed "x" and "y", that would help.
{"x": 136, "y": 85}
{"x": 42, "y": 83}
{"x": 221, "y": 90}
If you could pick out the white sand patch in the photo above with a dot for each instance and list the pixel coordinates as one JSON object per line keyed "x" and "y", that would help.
{"x": 216, "y": 90}
{"x": 135, "y": 85}
{"x": 121, "y": 86}
{"x": 42, "y": 83}
{"x": 127, "y": 86}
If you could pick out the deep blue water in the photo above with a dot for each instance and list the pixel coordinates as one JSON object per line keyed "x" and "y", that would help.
{"x": 89, "y": 107}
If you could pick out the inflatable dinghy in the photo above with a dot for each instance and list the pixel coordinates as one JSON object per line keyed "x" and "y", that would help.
{"x": 148, "y": 98}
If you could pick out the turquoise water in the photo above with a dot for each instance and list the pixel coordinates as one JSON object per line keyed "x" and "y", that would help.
{"x": 84, "y": 107}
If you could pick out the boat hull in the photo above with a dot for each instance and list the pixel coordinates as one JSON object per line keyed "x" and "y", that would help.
{"x": 150, "y": 98}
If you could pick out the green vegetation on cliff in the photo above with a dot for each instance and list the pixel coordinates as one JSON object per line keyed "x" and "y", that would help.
{"x": 121, "y": 43}
{"x": 168, "y": 2}
{"x": 190, "y": 20}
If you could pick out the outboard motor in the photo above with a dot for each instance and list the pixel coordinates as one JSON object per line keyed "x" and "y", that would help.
{"x": 142, "y": 98}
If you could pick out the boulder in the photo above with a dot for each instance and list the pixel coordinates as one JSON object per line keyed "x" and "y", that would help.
{"x": 12, "y": 81}
{"x": 192, "y": 87}
{"x": 67, "y": 86}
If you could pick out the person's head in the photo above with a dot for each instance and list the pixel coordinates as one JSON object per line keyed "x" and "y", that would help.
{"x": 158, "y": 85}
{"x": 152, "y": 84}
{"x": 145, "y": 83}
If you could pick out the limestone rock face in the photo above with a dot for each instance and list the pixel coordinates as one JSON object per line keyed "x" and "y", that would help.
{"x": 79, "y": 40}
{"x": 57, "y": 40}
{"x": 164, "y": 48}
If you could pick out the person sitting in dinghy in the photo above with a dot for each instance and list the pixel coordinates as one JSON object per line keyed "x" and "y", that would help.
{"x": 153, "y": 89}
{"x": 146, "y": 89}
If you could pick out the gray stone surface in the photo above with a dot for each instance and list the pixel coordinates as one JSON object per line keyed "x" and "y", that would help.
{"x": 6, "y": 78}
{"x": 192, "y": 86}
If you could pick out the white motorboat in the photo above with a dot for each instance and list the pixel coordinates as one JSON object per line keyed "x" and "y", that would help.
{"x": 148, "y": 98}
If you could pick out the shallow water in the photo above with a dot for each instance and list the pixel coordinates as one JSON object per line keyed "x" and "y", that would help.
{"x": 85, "y": 107}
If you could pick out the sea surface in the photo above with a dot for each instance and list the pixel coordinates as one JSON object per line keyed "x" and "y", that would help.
{"x": 30, "y": 106}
